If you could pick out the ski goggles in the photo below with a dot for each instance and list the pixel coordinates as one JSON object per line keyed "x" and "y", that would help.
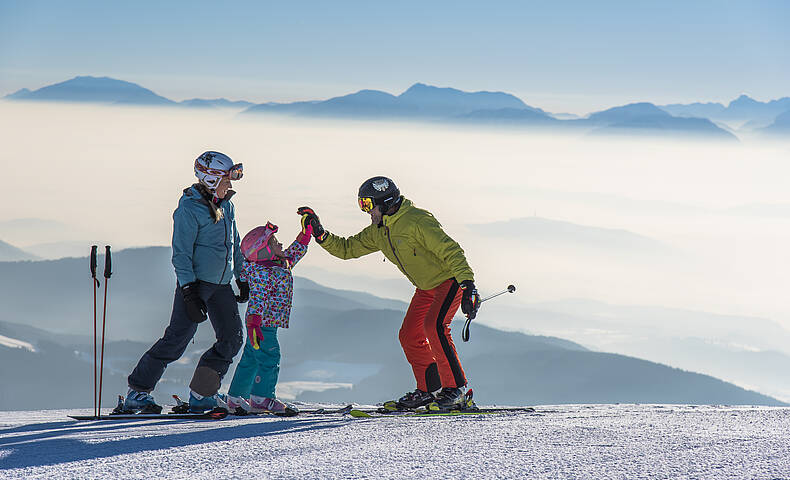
{"x": 366, "y": 204}
{"x": 234, "y": 173}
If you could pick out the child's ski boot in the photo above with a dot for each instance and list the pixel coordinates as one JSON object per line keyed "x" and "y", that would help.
{"x": 238, "y": 405}
{"x": 271, "y": 405}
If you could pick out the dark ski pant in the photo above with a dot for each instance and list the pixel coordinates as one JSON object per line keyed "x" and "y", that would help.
{"x": 223, "y": 312}
{"x": 426, "y": 341}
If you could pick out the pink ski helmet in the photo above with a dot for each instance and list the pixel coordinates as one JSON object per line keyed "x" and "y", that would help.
{"x": 255, "y": 245}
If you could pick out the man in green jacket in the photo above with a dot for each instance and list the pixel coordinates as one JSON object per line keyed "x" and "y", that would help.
{"x": 413, "y": 239}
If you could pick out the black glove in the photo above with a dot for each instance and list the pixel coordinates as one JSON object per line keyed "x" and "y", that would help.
{"x": 244, "y": 291}
{"x": 196, "y": 307}
{"x": 318, "y": 230}
{"x": 470, "y": 299}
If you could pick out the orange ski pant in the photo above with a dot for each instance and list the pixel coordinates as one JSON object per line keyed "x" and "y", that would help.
{"x": 425, "y": 337}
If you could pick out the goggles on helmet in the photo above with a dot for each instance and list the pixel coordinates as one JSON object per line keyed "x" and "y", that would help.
{"x": 235, "y": 172}
{"x": 366, "y": 204}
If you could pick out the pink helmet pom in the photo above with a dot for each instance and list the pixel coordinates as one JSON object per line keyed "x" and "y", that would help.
{"x": 255, "y": 245}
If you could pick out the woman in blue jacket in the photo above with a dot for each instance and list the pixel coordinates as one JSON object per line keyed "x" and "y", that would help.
{"x": 206, "y": 256}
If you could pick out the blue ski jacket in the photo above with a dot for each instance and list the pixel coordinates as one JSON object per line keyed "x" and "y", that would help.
{"x": 202, "y": 248}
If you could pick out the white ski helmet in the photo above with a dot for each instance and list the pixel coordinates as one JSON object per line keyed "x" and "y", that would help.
{"x": 211, "y": 166}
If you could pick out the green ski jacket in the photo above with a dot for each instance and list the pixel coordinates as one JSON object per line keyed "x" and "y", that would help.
{"x": 413, "y": 240}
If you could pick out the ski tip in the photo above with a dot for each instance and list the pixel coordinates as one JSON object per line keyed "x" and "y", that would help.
{"x": 359, "y": 414}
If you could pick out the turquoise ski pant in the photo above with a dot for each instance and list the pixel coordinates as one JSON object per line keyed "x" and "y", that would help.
{"x": 258, "y": 370}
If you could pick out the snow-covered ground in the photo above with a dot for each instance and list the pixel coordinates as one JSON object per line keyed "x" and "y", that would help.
{"x": 558, "y": 442}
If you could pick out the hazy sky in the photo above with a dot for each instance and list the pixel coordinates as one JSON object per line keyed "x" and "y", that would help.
{"x": 573, "y": 56}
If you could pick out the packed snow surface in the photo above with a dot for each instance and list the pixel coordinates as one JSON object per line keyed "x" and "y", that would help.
{"x": 14, "y": 343}
{"x": 568, "y": 441}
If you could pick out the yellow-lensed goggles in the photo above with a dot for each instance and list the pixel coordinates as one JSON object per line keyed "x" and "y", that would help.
{"x": 366, "y": 204}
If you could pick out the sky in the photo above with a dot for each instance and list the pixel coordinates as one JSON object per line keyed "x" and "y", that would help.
{"x": 564, "y": 56}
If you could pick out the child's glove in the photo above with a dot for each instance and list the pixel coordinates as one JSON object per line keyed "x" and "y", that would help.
{"x": 312, "y": 219}
{"x": 307, "y": 230}
{"x": 254, "y": 331}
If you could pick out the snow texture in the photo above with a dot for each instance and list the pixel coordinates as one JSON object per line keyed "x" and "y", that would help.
{"x": 566, "y": 442}
{"x": 14, "y": 343}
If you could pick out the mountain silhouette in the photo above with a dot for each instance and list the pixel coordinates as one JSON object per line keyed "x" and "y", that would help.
{"x": 743, "y": 109}
{"x": 781, "y": 125}
{"x": 10, "y": 253}
{"x": 645, "y": 118}
{"x": 93, "y": 90}
{"x": 696, "y": 109}
{"x": 445, "y": 104}
{"x": 450, "y": 102}
{"x": 419, "y": 101}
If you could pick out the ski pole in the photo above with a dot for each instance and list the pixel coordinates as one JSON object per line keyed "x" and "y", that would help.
{"x": 107, "y": 273}
{"x": 94, "y": 286}
{"x": 465, "y": 331}
{"x": 509, "y": 289}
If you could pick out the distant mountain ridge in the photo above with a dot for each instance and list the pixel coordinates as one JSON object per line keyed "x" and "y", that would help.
{"x": 10, "y": 253}
{"x": 445, "y": 104}
{"x": 94, "y": 90}
{"x": 742, "y": 109}
{"x": 108, "y": 90}
{"x": 419, "y": 100}
{"x": 647, "y": 118}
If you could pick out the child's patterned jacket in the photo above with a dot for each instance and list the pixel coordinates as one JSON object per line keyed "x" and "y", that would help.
{"x": 271, "y": 285}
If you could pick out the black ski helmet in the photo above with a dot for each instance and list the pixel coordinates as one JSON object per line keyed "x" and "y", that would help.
{"x": 381, "y": 191}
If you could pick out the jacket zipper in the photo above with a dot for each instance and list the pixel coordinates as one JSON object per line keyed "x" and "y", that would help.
{"x": 227, "y": 250}
{"x": 403, "y": 269}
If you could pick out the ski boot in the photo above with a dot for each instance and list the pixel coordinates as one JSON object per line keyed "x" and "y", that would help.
{"x": 453, "y": 400}
{"x": 238, "y": 405}
{"x": 410, "y": 401}
{"x": 271, "y": 405}
{"x": 200, "y": 404}
{"x": 137, "y": 402}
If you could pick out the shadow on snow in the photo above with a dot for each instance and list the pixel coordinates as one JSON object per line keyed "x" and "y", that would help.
{"x": 48, "y": 447}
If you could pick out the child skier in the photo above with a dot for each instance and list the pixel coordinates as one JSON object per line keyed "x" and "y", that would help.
{"x": 267, "y": 268}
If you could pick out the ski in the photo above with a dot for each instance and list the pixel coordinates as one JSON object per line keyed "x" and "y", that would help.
{"x": 293, "y": 412}
{"x": 382, "y": 413}
{"x": 467, "y": 407}
{"x": 179, "y": 412}
{"x": 212, "y": 415}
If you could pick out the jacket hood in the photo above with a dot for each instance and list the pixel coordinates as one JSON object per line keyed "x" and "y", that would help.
{"x": 405, "y": 206}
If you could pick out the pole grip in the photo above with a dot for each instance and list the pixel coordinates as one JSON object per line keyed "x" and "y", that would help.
{"x": 94, "y": 249}
{"x": 107, "y": 262}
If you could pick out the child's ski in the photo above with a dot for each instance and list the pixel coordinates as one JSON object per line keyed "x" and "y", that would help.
{"x": 292, "y": 412}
